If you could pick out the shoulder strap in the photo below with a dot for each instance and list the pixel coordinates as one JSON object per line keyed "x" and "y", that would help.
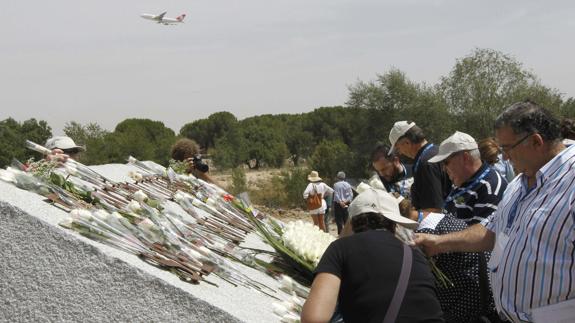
{"x": 397, "y": 300}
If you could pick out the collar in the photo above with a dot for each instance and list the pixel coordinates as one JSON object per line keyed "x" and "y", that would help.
{"x": 475, "y": 175}
{"x": 421, "y": 150}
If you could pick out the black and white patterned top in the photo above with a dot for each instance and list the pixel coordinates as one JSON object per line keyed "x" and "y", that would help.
{"x": 477, "y": 198}
{"x": 461, "y": 303}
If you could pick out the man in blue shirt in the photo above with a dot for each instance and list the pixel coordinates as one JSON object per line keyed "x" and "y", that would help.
{"x": 343, "y": 194}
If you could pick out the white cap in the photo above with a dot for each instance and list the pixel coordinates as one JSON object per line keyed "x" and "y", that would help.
{"x": 458, "y": 141}
{"x": 378, "y": 201}
{"x": 62, "y": 142}
{"x": 399, "y": 129}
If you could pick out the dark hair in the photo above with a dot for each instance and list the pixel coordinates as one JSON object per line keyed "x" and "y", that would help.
{"x": 371, "y": 221}
{"x": 528, "y": 117}
{"x": 382, "y": 150}
{"x": 489, "y": 150}
{"x": 185, "y": 148}
{"x": 568, "y": 128}
{"x": 414, "y": 134}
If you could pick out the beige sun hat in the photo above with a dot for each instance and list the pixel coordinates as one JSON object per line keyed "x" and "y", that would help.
{"x": 378, "y": 201}
{"x": 313, "y": 176}
{"x": 459, "y": 141}
{"x": 399, "y": 129}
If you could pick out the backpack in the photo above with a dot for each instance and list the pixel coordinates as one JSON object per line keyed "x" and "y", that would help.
{"x": 314, "y": 200}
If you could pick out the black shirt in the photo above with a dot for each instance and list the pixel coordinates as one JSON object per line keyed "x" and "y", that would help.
{"x": 369, "y": 265}
{"x": 431, "y": 185}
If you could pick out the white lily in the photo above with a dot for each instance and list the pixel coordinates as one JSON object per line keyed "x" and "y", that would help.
{"x": 134, "y": 206}
{"x": 140, "y": 196}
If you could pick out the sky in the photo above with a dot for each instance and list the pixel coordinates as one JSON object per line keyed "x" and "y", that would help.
{"x": 98, "y": 61}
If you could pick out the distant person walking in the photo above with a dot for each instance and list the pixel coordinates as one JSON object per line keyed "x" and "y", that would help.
{"x": 342, "y": 198}
{"x": 313, "y": 194}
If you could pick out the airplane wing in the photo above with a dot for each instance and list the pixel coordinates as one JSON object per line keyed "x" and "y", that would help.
{"x": 161, "y": 16}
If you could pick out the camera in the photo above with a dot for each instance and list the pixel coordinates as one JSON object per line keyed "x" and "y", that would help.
{"x": 199, "y": 164}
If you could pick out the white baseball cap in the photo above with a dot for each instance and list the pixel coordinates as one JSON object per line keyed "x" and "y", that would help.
{"x": 399, "y": 129}
{"x": 459, "y": 141}
{"x": 62, "y": 142}
{"x": 378, "y": 201}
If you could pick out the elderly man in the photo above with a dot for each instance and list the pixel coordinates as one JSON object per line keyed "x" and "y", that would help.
{"x": 477, "y": 188}
{"x": 343, "y": 194}
{"x": 395, "y": 177}
{"x": 531, "y": 233}
{"x": 431, "y": 184}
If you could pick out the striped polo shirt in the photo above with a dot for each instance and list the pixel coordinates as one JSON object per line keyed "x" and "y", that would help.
{"x": 537, "y": 265}
{"x": 478, "y": 197}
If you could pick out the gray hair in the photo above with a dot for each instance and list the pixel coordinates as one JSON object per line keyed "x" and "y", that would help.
{"x": 474, "y": 153}
{"x": 340, "y": 175}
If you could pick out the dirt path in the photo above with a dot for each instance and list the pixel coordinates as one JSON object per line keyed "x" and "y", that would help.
{"x": 255, "y": 180}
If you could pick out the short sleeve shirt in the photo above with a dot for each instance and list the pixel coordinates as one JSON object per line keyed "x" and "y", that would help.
{"x": 369, "y": 265}
{"x": 477, "y": 198}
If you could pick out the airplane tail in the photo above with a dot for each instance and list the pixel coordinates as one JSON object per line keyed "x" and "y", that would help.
{"x": 181, "y": 17}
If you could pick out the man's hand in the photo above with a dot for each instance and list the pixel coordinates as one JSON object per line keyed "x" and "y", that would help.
{"x": 430, "y": 243}
{"x": 57, "y": 155}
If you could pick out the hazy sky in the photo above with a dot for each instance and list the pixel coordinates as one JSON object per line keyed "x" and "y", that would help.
{"x": 98, "y": 61}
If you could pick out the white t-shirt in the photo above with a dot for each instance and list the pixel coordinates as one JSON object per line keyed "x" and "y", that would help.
{"x": 320, "y": 188}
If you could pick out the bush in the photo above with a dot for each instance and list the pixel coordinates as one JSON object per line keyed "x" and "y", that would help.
{"x": 239, "y": 183}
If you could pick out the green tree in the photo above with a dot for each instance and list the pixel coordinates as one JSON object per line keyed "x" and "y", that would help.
{"x": 144, "y": 139}
{"x": 329, "y": 157}
{"x": 13, "y": 136}
{"x": 483, "y": 83}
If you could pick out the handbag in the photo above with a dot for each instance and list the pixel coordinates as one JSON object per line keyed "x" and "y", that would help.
{"x": 314, "y": 200}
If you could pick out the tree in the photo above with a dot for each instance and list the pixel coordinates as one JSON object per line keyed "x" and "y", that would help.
{"x": 13, "y": 136}
{"x": 93, "y": 137}
{"x": 142, "y": 138}
{"x": 207, "y": 131}
{"x": 329, "y": 157}
{"x": 483, "y": 83}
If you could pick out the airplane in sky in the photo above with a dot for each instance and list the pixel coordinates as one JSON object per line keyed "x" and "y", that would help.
{"x": 164, "y": 20}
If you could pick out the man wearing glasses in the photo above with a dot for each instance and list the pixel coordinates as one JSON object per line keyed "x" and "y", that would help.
{"x": 532, "y": 232}
{"x": 477, "y": 188}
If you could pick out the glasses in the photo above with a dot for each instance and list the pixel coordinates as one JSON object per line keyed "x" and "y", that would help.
{"x": 507, "y": 148}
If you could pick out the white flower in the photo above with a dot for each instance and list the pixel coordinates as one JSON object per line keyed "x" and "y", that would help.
{"x": 180, "y": 196}
{"x": 70, "y": 169}
{"x": 81, "y": 214}
{"x": 134, "y": 206}
{"x": 102, "y": 215}
{"x": 147, "y": 225}
{"x": 140, "y": 196}
{"x": 306, "y": 240}
{"x": 136, "y": 176}
{"x": 287, "y": 282}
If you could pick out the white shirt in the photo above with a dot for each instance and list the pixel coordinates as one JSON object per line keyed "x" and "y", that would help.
{"x": 536, "y": 266}
{"x": 320, "y": 188}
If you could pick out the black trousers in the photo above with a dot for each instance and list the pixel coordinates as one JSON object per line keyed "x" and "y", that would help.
{"x": 341, "y": 214}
